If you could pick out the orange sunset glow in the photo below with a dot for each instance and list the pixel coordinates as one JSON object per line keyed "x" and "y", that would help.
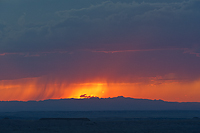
{"x": 36, "y": 89}
{"x": 99, "y": 50}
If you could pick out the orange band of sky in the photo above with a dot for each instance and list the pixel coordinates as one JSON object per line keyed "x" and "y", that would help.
{"x": 35, "y": 89}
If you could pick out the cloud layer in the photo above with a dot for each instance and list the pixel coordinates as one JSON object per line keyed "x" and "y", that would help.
{"x": 113, "y": 41}
{"x": 109, "y": 25}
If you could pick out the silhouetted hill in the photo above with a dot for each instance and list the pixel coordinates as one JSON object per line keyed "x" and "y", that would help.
{"x": 96, "y": 104}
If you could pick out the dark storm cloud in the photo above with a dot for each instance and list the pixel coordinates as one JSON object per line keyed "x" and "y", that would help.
{"x": 116, "y": 67}
{"x": 121, "y": 41}
{"x": 42, "y": 26}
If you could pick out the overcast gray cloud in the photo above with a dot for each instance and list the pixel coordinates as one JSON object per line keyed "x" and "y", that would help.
{"x": 56, "y": 31}
{"x": 30, "y": 26}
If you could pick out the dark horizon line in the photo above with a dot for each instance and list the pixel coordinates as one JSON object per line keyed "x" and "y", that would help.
{"x": 87, "y": 98}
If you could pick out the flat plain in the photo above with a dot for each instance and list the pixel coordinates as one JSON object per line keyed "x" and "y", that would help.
{"x": 101, "y": 126}
{"x": 101, "y": 123}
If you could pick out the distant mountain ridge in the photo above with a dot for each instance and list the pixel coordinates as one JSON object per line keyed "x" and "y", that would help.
{"x": 96, "y": 104}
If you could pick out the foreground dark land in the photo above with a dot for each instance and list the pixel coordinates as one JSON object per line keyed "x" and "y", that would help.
{"x": 100, "y": 122}
{"x": 126, "y": 125}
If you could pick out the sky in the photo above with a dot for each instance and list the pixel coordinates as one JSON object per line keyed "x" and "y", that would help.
{"x": 145, "y": 49}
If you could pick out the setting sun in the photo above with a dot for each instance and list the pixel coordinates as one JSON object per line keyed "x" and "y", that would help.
{"x": 90, "y": 89}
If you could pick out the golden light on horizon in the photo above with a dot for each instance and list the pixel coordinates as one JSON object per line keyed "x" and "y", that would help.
{"x": 39, "y": 89}
{"x": 90, "y": 89}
